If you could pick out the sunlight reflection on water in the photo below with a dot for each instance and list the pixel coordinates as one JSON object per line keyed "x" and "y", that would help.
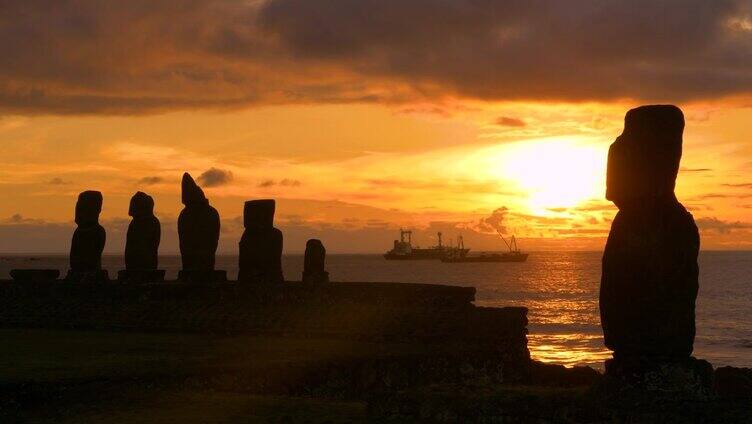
{"x": 569, "y": 349}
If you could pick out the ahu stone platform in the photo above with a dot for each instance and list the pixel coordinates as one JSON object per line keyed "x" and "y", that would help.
{"x": 494, "y": 339}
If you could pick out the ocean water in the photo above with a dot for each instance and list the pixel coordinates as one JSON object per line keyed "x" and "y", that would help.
{"x": 559, "y": 288}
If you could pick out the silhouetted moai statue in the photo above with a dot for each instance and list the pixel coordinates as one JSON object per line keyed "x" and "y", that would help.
{"x": 142, "y": 242}
{"x": 198, "y": 231}
{"x": 314, "y": 265}
{"x": 88, "y": 240}
{"x": 649, "y": 278}
{"x": 144, "y": 232}
{"x": 261, "y": 245}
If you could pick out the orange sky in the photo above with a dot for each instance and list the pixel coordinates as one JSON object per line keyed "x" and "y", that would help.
{"x": 396, "y": 122}
{"x": 367, "y": 170}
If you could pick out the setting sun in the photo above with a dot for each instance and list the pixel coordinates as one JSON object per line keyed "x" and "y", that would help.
{"x": 556, "y": 173}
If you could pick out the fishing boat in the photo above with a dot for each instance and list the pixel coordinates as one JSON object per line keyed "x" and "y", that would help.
{"x": 513, "y": 255}
{"x": 403, "y": 249}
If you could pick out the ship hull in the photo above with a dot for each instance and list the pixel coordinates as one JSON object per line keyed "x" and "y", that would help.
{"x": 522, "y": 257}
{"x": 423, "y": 254}
{"x": 398, "y": 257}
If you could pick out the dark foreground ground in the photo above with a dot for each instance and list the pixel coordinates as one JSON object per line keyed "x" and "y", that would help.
{"x": 103, "y": 377}
{"x": 109, "y": 377}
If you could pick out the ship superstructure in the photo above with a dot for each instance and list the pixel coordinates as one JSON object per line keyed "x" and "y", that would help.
{"x": 404, "y": 250}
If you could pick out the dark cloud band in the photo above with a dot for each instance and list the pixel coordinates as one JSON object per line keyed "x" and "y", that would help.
{"x": 140, "y": 56}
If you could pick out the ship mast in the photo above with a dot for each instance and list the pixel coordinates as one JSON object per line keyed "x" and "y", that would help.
{"x": 511, "y": 245}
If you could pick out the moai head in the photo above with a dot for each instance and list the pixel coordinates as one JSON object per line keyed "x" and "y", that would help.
{"x": 142, "y": 205}
{"x": 259, "y": 214}
{"x": 314, "y": 265}
{"x": 191, "y": 192}
{"x": 643, "y": 162}
{"x": 315, "y": 255}
{"x": 88, "y": 208}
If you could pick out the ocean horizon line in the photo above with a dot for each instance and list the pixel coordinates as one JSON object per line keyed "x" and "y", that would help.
{"x": 301, "y": 253}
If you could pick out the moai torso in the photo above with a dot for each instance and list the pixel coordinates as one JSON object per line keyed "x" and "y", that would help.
{"x": 650, "y": 274}
{"x": 198, "y": 228}
{"x": 89, "y": 237}
{"x": 260, "y": 247}
{"x": 314, "y": 265}
{"x": 144, "y": 232}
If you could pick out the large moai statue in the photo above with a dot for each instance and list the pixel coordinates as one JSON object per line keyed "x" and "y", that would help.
{"x": 198, "y": 230}
{"x": 314, "y": 264}
{"x": 261, "y": 245}
{"x": 88, "y": 240}
{"x": 142, "y": 242}
{"x": 649, "y": 277}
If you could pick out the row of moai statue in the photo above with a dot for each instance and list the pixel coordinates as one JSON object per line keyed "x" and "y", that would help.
{"x": 260, "y": 248}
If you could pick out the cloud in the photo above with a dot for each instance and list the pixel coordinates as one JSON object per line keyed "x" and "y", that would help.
{"x": 597, "y": 207}
{"x": 694, "y": 169}
{"x": 19, "y": 219}
{"x": 712, "y": 224}
{"x": 16, "y": 218}
{"x": 740, "y": 185}
{"x": 582, "y": 231}
{"x": 215, "y": 177}
{"x": 722, "y": 196}
{"x": 539, "y": 49}
{"x": 58, "y": 181}
{"x": 150, "y": 180}
{"x": 444, "y": 185}
{"x": 427, "y": 110}
{"x": 505, "y": 121}
{"x": 494, "y": 222}
{"x": 34, "y": 236}
{"x": 231, "y": 54}
{"x": 286, "y": 182}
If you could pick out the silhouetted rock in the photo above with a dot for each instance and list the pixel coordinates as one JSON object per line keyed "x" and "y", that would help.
{"x": 141, "y": 276}
{"x": 144, "y": 232}
{"x": 542, "y": 374}
{"x": 202, "y": 276}
{"x": 646, "y": 378}
{"x": 650, "y": 274}
{"x": 34, "y": 275}
{"x": 314, "y": 265}
{"x": 198, "y": 228}
{"x": 88, "y": 240}
{"x": 261, "y": 245}
{"x": 733, "y": 382}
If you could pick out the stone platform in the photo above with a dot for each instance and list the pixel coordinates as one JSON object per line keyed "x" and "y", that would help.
{"x": 432, "y": 315}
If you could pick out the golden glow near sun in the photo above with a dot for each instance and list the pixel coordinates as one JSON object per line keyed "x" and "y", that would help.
{"x": 554, "y": 172}
{"x": 558, "y": 173}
